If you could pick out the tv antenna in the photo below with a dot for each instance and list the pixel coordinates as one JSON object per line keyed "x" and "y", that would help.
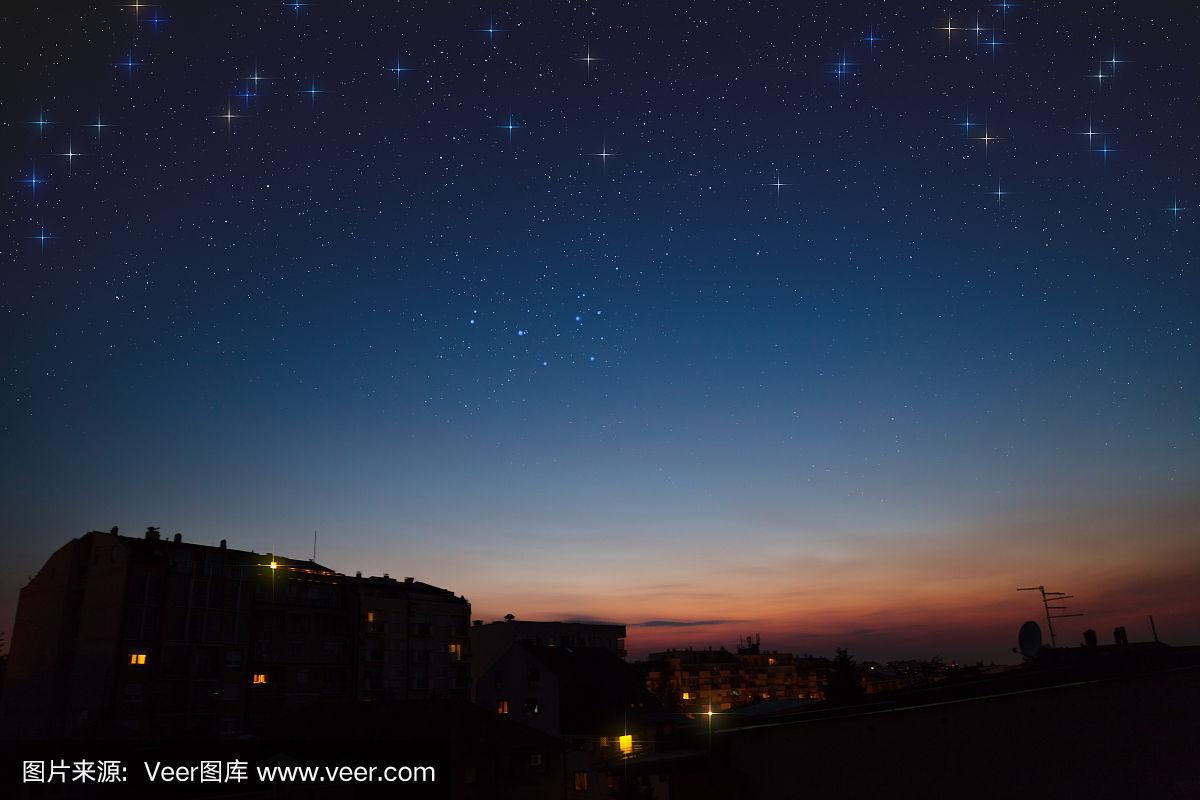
{"x": 1047, "y": 599}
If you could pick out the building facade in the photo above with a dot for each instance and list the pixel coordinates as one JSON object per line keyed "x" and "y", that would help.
{"x": 491, "y": 640}
{"x": 161, "y": 637}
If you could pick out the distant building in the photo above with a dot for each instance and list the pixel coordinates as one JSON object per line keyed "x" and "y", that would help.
{"x": 491, "y": 640}
{"x": 720, "y": 680}
{"x": 586, "y": 695}
{"x": 163, "y": 637}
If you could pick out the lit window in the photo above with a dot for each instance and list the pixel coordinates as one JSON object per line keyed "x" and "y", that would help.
{"x": 370, "y": 616}
{"x": 259, "y": 678}
{"x": 687, "y": 695}
{"x": 137, "y": 659}
{"x": 456, "y": 650}
{"x": 581, "y": 784}
{"x": 626, "y": 744}
{"x": 501, "y": 706}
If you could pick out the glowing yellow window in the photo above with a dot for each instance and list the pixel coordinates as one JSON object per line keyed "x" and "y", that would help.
{"x": 687, "y": 695}
{"x": 259, "y": 678}
{"x": 502, "y": 707}
{"x": 456, "y": 650}
{"x": 626, "y": 744}
{"x": 370, "y": 616}
{"x": 137, "y": 659}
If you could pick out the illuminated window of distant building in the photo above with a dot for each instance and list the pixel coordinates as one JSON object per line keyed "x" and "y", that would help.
{"x": 137, "y": 659}
{"x": 770, "y": 662}
{"x": 581, "y": 781}
{"x": 456, "y": 650}
{"x": 259, "y": 678}
{"x": 531, "y": 706}
{"x": 687, "y": 695}
{"x": 370, "y": 616}
{"x": 501, "y": 706}
{"x": 604, "y": 741}
{"x": 626, "y": 744}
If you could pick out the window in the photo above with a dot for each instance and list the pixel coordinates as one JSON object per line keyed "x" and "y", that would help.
{"x": 370, "y": 616}
{"x": 259, "y": 678}
{"x": 456, "y": 651}
{"x": 626, "y": 744}
{"x": 535, "y": 760}
{"x": 531, "y": 706}
{"x": 501, "y": 706}
{"x": 137, "y": 659}
{"x": 581, "y": 781}
{"x": 687, "y": 695}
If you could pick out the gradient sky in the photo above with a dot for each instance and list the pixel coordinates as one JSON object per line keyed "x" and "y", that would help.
{"x": 854, "y": 333}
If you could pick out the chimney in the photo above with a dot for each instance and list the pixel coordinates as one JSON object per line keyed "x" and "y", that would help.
{"x": 408, "y": 580}
{"x": 114, "y": 530}
{"x": 178, "y": 538}
{"x": 152, "y": 534}
{"x": 222, "y": 544}
{"x": 358, "y": 574}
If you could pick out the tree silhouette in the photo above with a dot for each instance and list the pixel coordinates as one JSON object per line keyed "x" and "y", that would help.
{"x": 844, "y": 682}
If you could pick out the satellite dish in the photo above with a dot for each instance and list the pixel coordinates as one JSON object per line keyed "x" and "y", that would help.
{"x": 1029, "y": 640}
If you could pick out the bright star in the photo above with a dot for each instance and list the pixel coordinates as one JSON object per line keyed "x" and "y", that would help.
{"x": 228, "y": 116}
{"x": 966, "y": 124}
{"x": 295, "y": 6}
{"x": 398, "y": 69}
{"x": 156, "y": 22}
{"x": 871, "y": 38}
{"x": 1114, "y": 61}
{"x": 129, "y": 64}
{"x": 604, "y": 155}
{"x": 1175, "y": 208}
{"x": 255, "y": 78}
{"x": 999, "y": 194}
{"x": 778, "y": 184}
{"x": 987, "y": 138}
{"x": 491, "y": 30}
{"x": 842, "y": 68}
{"x": 509, "y": 126}
{"x": 1100, "y": 76}
{"x": 41, "y": 122}
{"x": 137, "y": 8}
{"x": 993, "y": 43}
{"x": 1090, "y": 132}
{"x": 245, "y": 94}
{"x": 42, "y": 237}
{"x": 99, "y": 126}
{"x": 70, "y": 155}
{"x": 949, "y": 29}
{"x": 587, "y": 60}
{"x": 33, "y": 181}
{"x": 1104, "y": 150}
{"x": 312, "y": 91}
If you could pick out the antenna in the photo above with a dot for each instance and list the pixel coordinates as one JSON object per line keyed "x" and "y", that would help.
{"x": 314, "y": 546}
{"x": 1047, "y": 599}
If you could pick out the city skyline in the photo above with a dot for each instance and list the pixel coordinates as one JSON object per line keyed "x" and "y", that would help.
{"x": 834, "y": 325}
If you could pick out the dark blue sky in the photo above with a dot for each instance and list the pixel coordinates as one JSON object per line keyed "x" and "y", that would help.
{"x": 648, "y": 386}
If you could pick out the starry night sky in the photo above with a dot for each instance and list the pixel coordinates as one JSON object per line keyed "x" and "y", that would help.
{"x": 829, "y": 321}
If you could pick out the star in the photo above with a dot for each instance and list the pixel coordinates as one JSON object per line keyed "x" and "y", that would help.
{"x": 33, "y": 181}
{"x": 312, "y": 91}
{"x": 978, "y": 29}
{"x": 295, "y": 6}
{"x": 228, "y": 116}
{"x": 993, "y": 43}
{"x": 255, "y": 78}
{"x": 99, "y": 126}
{"x": 42, "y": 237}
{"x": 398, "y": 69}
{"x": 587, "y": 60}
{"x": 1113, "y": 61}
{"x": 1175, "y": 208}
{"x": 157, "y": 21}
{"x": 1100, "y": 76}
{"x": 1090, "y": 132}
{"x": 948, "y": 29}
{"x": 987, "y": 138}
{"x": 41, "y": 122}
{"x": 509, "y": 126}
{"x": 1004, "y": 6}
{"x": 842, "y": 68}
{"x": 1104, "y": 150}
{"x": 70, "y": 155}
{"x": 604, "y": 155}
{"x": 999, "y": 194}
{"x": 137, "y": 8}
{"x": 871, "y": 38}
{"x": 778, "y": 184}
{"x": 491, "y": 30}
{"x": 967, "y": 124}
{"x": 245, "y": 94}
{"x": 129, "y": 64}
